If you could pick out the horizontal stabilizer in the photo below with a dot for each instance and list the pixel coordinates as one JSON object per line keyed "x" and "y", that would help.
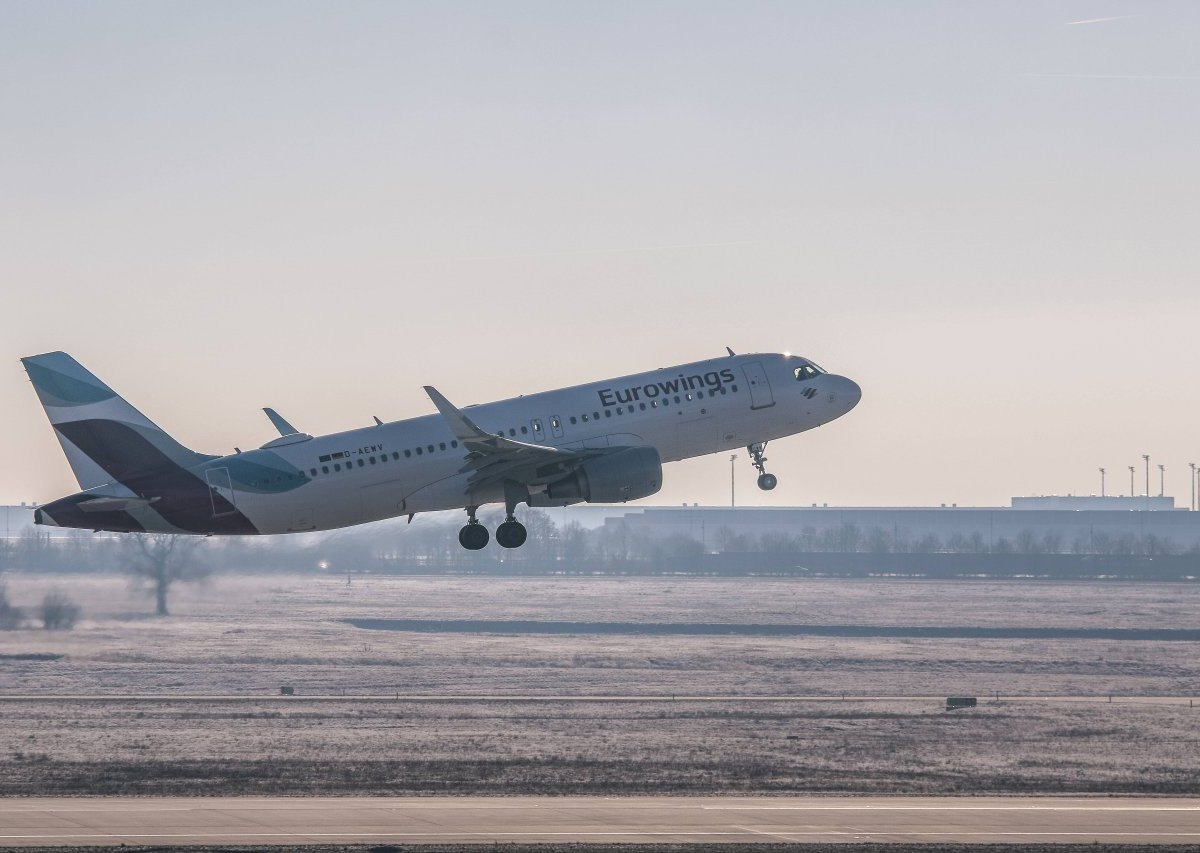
{"x": 114, "y": 504}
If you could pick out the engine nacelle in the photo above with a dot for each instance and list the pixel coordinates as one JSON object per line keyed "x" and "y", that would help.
{"x": 618, "y": 477}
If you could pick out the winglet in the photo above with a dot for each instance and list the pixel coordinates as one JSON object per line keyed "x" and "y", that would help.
{"x": 280, "y": 424}
{"x": 464, "y": 428}
{"x": 730, "y": 351}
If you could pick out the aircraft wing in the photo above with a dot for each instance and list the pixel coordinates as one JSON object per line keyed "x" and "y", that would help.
{"x": 494, "y": 458}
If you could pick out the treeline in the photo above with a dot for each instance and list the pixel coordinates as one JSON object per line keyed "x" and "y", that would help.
{"x": 430, "y": 544}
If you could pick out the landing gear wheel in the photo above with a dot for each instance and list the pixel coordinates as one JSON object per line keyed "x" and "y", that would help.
{"x": 473, "y": 536}
{"x": 766, "y": 481}
{"x": 511, "y": 534}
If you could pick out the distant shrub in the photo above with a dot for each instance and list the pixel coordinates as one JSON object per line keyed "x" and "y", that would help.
{"x": 59, "y": 613}
{"x": 11, "y": 616}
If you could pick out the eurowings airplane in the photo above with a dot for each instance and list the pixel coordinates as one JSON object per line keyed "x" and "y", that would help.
{"x": 604, "y": 442}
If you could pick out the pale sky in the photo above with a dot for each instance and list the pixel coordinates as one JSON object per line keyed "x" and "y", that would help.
{"x": 987, "y": 214}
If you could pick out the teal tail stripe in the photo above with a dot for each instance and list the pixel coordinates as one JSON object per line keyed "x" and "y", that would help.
{"x": 61, "y": 381}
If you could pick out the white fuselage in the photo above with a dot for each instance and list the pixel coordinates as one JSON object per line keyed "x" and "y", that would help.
{"x": 417, "y": 465}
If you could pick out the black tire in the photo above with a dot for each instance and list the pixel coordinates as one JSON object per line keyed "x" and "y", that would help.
{"x": 511, "y": 534}
{"x": 473, "y": 537}
{"x": 766, "y": 482}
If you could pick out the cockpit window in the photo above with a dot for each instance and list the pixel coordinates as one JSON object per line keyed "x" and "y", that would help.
{"x": 807, "y": 371}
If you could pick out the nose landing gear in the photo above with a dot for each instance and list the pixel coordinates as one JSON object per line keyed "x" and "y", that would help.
{"x": 766, "y": 481}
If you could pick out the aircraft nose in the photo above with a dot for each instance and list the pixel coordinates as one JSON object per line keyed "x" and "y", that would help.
{"x": 846, "y": 393}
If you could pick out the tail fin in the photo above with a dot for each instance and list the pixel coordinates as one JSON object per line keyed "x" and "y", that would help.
{"x": 105, "y": 439}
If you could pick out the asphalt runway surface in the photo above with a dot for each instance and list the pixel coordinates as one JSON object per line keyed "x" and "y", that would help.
{"x": 40, "y": 821}
{"x": 519, "y": 698}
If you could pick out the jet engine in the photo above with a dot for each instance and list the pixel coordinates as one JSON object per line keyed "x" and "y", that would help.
{"x": 626, "y": 475}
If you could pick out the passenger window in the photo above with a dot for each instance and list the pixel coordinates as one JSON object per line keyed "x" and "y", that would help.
{"x": 325, "y": 468}
{"x": 687, "y": 396}
{"x": 572, "y": 419}
{"x": 442, "y": 445}
{"x": 524, "y": 430}
{"x": 454, "y": 444}
{"x": 312, "y": 472}
{"x": 418, "y": 451}
{"x": 408, "y": 454}
{"x": 584, "y": 418}
{"x": 733, "y": 388}
{"x": 676, "y": 399}
{"x": 371, "y": 460}
{"x": 337, "y": 466}
{"x": 361, "y": 463}
{"x": 555, "y": 422}
{"x": 430, "y": 448}
{"x": 643, "y": 406}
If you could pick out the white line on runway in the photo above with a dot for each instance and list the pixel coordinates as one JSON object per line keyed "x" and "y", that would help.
{"x": 768, "y": 833}
{"x": 953, "y": 808}
{"x": 891, "y": 834}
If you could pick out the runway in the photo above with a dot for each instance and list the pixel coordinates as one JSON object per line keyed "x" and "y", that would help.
{"x": 46, "y": 821}
{"x": 541, "y": 698}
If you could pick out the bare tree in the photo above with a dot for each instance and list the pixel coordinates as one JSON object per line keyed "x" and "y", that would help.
{"x": 161, "y": 559}
{"x": 11, "y": 616}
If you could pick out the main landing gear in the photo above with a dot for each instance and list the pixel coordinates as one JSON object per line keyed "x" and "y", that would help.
{"x": 474, "y": 536}
{"x": 766, "y": 481}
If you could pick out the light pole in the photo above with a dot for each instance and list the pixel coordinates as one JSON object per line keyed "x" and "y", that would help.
{"x": 732, "y": 501}
{"x": 1101, "y": 482}
{"x": 1192, "y": 484}
{"x": 1131, "y": 492}
{"x": 1146, "y": 457}
{"x": 1162, "y": 472}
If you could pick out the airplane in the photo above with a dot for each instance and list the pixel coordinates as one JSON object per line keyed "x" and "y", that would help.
{"x": 602, "y": 442}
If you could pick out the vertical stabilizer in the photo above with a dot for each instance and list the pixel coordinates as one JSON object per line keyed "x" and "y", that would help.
{"x": 105, "y": 439}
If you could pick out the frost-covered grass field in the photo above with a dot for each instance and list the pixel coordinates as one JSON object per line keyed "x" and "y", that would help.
{"x": 245, "y": 636}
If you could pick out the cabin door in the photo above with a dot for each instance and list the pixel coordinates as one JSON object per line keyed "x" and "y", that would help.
{"x": 760, "y": 389}
{"x": 220, "y": 490}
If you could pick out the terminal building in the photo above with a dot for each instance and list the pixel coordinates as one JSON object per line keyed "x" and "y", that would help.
{"x": 1046, "y": 525}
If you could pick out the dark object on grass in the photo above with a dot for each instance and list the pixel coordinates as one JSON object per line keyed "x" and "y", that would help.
{"x": 59, "y": 613}
{"x": 287, "y": 690}
{"x": 953, "y": 702}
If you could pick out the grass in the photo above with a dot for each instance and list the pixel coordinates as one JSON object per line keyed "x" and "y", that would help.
{"x": 246, "y": 635}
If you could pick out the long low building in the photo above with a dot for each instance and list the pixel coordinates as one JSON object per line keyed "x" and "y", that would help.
{"x": 1041, "y": 525}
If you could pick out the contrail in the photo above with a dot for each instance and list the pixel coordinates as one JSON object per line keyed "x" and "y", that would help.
{"x": 1100, "y": 20}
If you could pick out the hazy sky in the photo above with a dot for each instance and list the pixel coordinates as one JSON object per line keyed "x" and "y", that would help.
{"x": 988, "y": 214}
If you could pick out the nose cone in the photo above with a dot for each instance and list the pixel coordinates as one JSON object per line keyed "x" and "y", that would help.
{"x": 844, "y": 394}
